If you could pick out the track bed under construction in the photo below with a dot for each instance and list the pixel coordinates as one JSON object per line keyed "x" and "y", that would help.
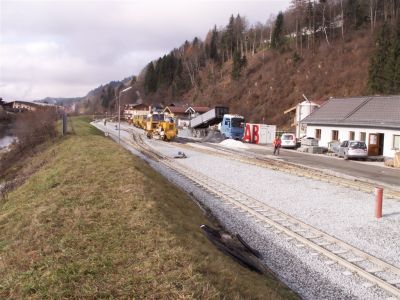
{"x": 371, "y": 273}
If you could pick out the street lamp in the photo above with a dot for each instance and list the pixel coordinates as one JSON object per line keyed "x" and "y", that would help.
{"x": 119, "y": 113}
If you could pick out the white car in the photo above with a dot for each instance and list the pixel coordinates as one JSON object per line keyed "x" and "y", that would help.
{"x": 288, "y": 140}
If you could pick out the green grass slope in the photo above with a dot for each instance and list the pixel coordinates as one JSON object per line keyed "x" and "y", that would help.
{"x": 96, "y": 222}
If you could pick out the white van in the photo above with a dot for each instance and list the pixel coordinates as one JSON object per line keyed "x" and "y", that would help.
{"x": 288, "y": 140}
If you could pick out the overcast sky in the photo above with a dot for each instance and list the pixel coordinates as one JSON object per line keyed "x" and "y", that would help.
{"x": 66, "y": 48}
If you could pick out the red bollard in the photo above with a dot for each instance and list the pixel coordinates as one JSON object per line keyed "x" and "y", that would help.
{"x": 378, "y": 202}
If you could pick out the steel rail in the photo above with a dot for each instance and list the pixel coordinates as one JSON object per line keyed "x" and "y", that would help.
{"x": 293, "y": 169}
{"x": 282, "y": 222}
{"x": 215, "y": 189}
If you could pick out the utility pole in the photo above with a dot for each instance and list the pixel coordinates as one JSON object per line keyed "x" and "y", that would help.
{"x": 119, "y": 113}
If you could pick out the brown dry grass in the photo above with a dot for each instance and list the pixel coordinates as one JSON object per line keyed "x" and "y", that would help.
{"x": 96, "y": 222}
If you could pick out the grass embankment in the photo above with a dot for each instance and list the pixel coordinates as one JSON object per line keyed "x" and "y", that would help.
{"x": 96, "y": 222}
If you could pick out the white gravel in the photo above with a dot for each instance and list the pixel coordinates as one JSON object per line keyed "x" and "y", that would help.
{"x": 339, "y": 211}
{"x": 229, "y": 143}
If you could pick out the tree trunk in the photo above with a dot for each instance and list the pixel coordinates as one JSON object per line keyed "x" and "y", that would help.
{"x": 323, "y": 24}
{"x": 191, "y": 75}
{"x": 342, "y": 17}
{"x": 313, "y": 30}
{"x": 371, "y": 10}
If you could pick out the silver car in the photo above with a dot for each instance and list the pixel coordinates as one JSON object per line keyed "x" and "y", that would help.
{"x": 353, "y": 149}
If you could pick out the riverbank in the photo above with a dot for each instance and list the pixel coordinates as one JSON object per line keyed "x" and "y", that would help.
{"x": 6, "y": 136}
{"x": 94, "y": 221}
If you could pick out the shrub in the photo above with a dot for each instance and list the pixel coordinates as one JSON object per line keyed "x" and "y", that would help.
{"x": 31, "y": 129}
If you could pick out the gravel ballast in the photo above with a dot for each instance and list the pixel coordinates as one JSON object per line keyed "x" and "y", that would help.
{"x": 342, "y": 212}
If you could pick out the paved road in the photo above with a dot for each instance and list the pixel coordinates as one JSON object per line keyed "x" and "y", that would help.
{"x": 352, "y": 168}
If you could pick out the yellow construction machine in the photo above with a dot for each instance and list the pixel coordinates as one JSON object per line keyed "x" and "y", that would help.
{"x": 139, "y": 121}
{"x": 160, "y": 126}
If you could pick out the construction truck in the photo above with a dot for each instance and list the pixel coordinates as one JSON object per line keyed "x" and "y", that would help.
{"x": 139, "y": 121}
{"x": 160, "y": 126}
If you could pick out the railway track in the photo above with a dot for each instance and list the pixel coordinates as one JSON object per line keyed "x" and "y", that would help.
{"x": 293, "y": 169}
{"x": 355, "y": 261}
{"x": 375, "y": 271}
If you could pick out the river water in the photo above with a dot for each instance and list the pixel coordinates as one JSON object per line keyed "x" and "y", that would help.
{"x": 5, "y": 141}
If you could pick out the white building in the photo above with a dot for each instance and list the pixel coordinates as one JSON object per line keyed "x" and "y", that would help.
{"x": 374, "y": 120}
{"x": 137, "y": 109}
{"x": 302, "y": 110}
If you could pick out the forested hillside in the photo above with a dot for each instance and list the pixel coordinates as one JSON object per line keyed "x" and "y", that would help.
{"x": 318, "y": 48}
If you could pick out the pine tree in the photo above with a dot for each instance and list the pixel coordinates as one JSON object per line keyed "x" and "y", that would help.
{"x": 150, "y": 80}
{"x": 229, "y": 36}
{"x": 357, "y": 12}
{"x": 396, "y": 61}
{"x": 277, "y": 33}
{"x": 238, "y": 64}
{"x": 214, "y": 45}
{"x": 378, "y": 68}
{"x": 104, "y": 100}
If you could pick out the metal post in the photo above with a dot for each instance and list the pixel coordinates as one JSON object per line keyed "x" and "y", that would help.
{"x": 378, "y": 202}
{"x": 119, "y": 118}
{"x": 119, "y": 113}
{"x": 64, "y": 124}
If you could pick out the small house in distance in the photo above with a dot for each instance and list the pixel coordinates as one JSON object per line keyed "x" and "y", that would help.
{"x": 194, "y": 111}
{"x": 21, "y": 106}
{"x": 137, "y": 109}
{"x": 179, "y": 113}
{"x": 374, "y": 120}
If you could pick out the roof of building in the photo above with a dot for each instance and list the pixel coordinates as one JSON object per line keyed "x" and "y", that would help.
{"x": 376, "y": 112}
{"x": 318, "y": 103}
{"x": 136, "y": 105}
{"x": 199, "y": 109}
{"x": 176, "y": 109}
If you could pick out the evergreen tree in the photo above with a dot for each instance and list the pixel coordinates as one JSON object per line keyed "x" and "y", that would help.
{"x": 277, "y": 34}
{"x": 391, "y": 72}
{"x": 229, "y": 36}
{"x": 214, "y": 46}
{"x": 396, "y": 61}
{"x": 238, "y": 64}
{"x": 356, "y": 12}
{"x": 378, "y": 76}
{"x": 150, "y": 80}
{"x": 104, "y": 100}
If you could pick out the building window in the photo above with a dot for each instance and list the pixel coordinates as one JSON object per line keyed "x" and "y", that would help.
{"x": 363, "y": 136}
{"x": 396, "y": 142}
{"x": 351, "y": 135}
{"x": 318, "y": 134}
{"x": 335, "y": 135}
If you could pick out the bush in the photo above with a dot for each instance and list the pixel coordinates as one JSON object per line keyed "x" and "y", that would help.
{"x": 34, "y": 128}
{"x": 31, "y": 129}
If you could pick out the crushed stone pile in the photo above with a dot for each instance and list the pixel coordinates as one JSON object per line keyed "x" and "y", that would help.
{"x": 233, "y": 144}
{"x": 213, "y": 137}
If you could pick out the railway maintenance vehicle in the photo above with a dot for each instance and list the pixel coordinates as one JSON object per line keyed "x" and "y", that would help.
{"x": 160, "y": 126}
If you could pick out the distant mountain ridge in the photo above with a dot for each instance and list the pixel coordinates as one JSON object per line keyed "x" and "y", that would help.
{"x": 59, "y": 101}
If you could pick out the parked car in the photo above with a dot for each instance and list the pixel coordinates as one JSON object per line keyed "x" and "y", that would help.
{"x": 288, "y": 140}
{"x": 353, "y": 149}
